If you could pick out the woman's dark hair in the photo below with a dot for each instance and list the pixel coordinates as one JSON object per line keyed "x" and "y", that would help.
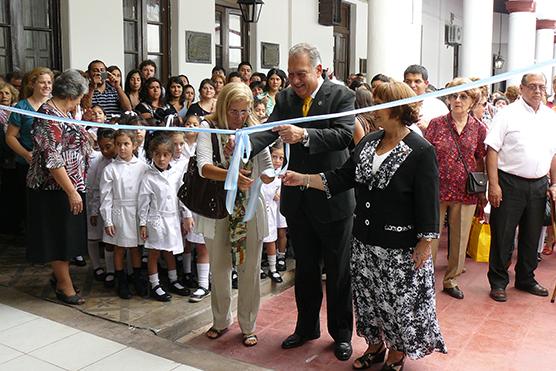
{"x": 278, "y": 72}
{"x": 105, "y": 133}
{"x": 113, "y": 68}
{"x": 256, "y": 84}
{"x": 70, "y": 84}
{"x": 205, "y": 82}
{"x": 144, "y": 94}
{"x": 127, "y": 86}
{"x": 174, "y": 80}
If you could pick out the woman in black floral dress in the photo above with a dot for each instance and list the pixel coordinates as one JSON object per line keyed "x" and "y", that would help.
{"x": 395, "y": 176}
{"x": 57, "y": 222}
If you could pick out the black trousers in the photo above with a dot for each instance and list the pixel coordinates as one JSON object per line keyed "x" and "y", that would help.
{"x": 329, "y": 243}
{"x": 523, "y": 204}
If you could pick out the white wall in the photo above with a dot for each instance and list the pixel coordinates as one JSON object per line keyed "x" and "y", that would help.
{"x": 305, "y": 28}
{"x": 273, "y": 27}
{"x": 191, "y": 15}
{"x": 435, "y": 55}
{"x": 92, "y": 30}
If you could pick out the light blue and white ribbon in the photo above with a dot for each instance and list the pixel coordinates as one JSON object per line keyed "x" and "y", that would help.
{"x": 242, "y": 150}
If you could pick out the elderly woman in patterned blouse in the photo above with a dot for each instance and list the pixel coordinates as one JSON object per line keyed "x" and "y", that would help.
{"x": 446, "y": 133}
{"x": 395, "y": 175}
{"x": 57, "y": 225}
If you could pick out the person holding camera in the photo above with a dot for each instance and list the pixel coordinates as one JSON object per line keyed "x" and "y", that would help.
{"x": 105, "y": 91}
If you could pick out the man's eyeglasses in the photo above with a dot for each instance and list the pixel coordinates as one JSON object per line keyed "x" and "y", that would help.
{"x": 534, "y": 87}
{"x": 243, "y": 112}
{"x": 460, "y": 96}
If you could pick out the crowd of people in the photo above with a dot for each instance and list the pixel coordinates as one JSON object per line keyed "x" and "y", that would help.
{"x": 364, "y": 200}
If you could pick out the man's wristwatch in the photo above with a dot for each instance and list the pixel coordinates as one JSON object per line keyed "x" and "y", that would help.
{"x": 305, "y": 136}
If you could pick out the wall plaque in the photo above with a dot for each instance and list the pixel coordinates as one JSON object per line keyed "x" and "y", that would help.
{"x": 270, "y": 55}
{"x": 198, "y": 47}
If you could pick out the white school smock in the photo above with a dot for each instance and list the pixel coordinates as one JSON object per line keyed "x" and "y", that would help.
{"x": 119, "y": 186}
{"x": 96, "y": 168}
{"x": 272, "y": 208}
{"x": 160, "y": 210}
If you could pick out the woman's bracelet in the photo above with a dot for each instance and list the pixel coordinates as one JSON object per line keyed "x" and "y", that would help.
{"x": 307, "y": 180}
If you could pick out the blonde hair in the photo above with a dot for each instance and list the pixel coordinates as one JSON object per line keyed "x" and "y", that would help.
{"x": 231, "y": 93}
{"x": 30, "y": 79}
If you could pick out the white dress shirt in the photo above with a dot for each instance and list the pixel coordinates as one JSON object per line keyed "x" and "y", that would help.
{"x": 524, "y": 139}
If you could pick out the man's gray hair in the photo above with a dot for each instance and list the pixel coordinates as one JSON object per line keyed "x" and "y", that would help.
{"x": 70, "y": 84}
{"x": 311, "y": 51}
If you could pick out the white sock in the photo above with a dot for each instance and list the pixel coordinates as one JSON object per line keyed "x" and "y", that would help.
{"x": 186, "y": 262}
{"x": 173, "y": 275}
{"x": 271, "y": 262}
{"x": 203, "y": 274}
{"x": 109, "y": 261}
{"x": 153, "y": 279}
{"x": 92, "y": 246}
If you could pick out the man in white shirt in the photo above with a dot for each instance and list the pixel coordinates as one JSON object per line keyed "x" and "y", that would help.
{"x": 521, "y": 152}
{"x": 416, "y": 76}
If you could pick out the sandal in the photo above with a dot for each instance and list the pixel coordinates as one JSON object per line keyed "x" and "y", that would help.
{"x": 368, "y": 359}
{"x": 396, "y": 366}
{"x": 213, "y": 333}
{"x": 548, "y": 250}
{"x": 250, "y": 340}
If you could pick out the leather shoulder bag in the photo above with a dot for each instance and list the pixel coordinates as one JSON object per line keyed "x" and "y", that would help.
{"x": 204, "y": 196}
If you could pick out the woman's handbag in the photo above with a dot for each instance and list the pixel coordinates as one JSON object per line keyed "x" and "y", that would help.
{"x": 476, "y": 180}
{"x": 201, "y": 195}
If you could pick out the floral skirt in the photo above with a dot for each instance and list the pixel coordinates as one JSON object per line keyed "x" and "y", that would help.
{"x": 394, "y": 302}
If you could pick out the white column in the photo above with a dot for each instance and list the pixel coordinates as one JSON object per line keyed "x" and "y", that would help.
{"x": 544, "y": 49}
{"x": 476, "y": 49}
{"x": 394, "y": 36}
{"x": 521, "y": 38}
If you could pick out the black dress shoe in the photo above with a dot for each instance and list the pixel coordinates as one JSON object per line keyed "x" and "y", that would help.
{"x": 294, "y": 341}
{"x": 343, "y": 350}
{"x": 498, "y": 295}
{"x": 454, "y": 292}
{"x": 536, "y": 289}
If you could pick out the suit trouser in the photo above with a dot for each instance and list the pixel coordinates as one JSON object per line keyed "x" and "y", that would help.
{"x": 313, "y": 243}
{"x": 460, "y": 217}
{"x": 249, "y": 294}
{"x": 523, "y": 204}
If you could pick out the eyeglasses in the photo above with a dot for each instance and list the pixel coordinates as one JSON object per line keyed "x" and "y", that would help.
{"x": 239, "y": 113}
{"x": 534, "y": 87}
{"x": 460, "y": 96}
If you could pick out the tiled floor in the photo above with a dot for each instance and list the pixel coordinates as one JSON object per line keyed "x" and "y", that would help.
{"x": 480, "y": 333}
{"x": 29, "y": 342}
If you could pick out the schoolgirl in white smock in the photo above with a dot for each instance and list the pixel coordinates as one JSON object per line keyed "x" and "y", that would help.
{"x": 183, "y": 162}
{"x": 270, "y": 191}
{"x": 160, "y": 210}
{"x": 119, "y": 187}
{"x": 96, "y": 169}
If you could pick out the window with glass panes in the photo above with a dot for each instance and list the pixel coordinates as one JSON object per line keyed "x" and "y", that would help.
{"x": 230, "y": 38}
{"x": 29, "y": 35}
{"x": 146, "y": 34}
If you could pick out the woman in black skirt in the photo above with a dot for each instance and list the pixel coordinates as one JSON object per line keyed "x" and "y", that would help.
{"x": 57, "y": 224}
{"x": 395, "y": 176}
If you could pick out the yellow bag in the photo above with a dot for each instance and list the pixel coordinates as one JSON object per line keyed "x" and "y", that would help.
{"x": 478, "y": 247}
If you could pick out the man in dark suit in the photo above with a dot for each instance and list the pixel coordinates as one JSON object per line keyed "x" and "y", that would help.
{"x": 319, "y": 229}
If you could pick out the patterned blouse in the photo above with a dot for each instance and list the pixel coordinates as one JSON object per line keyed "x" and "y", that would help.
{"x": 453, "y": 176}
{"x": 55, "y": 145}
